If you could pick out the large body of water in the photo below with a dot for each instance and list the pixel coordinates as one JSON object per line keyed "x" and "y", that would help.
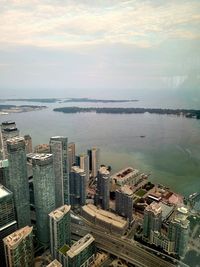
{"x": 170, "y": 151}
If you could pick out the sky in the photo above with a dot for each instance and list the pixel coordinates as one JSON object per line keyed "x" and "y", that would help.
{"x": 103, "y": 48}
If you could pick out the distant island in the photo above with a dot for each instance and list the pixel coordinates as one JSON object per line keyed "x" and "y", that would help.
{"x": 66, "y": 100}
{"x": 6, "y": 109}
{"x": 100, "y": 100}
{"x": 40, "y": 100}
{"x": 189, "y": 113}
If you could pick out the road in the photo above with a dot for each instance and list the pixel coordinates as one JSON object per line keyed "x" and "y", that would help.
{"x": 120, "y": 247}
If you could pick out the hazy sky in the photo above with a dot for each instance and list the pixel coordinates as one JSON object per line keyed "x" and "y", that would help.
{"x": 98, "y": 48}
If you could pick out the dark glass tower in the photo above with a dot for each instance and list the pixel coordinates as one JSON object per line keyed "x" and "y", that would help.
{"x": 44, "y": 193}
{"x": 59, "y": 149}
{"x": 17, "y": 180}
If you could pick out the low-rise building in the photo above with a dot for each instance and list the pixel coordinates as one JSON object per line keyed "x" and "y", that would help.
{"x": 109, "y": 221}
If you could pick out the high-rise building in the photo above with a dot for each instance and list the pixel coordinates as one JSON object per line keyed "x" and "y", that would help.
{"x": 60, "y": 230}
{"x": 28, "y": 143}
{"x": 82, "y": 161}
{"x": 44, "y": 193}
{"x": 4, "y": 171}
{"x": 8, "y": 130}
{"x": 124, "y": 202}
{"x": 8, "y": 223}
{"x": 19, "y": 249}
{"x": 71, "y": 154}
{"x": 178, "y": 232}
{"x": 81, "y": 253}
{"x": 77, "y": 187}
{"x": 59, "y": 149}
{"x": 152, "y": 221}
{"x": 54, "y": 263}
{"x": 94, "y": 155}
{"x": 103, "y": 188}
{"x": 42, "y": 148}
{"x": 17, "y": 180}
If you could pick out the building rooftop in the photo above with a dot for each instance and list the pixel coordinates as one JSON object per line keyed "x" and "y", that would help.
{"x": 166, "y": 210}
{"x": 54, "y": 263}
{"x": 41, "y": 157}
{"x": 126, "y": 189}
{"x": 80, "y": 245}
{"x": 15, "y": 238}
{"x": 60, "y": 212}
{"x": 154, "y": 207}
{"x": 104, "y": 170}
{"x": 4, "y": 191}
{"x": 104, "y": 215}
{"x": 42, "y": 148}
{"x": 125, "y": 174}
{"x": 77, "y": 169}
{"x": 181, "y": 215}
{"x": 10, "y": 129}
{"x": 15, "y": 140}
{"x": 8, "y": 122}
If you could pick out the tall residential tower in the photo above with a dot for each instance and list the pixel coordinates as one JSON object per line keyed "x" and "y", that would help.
{"x": 17, "y": 179}
{"x": 44, "y": 193}
{"x": 59, "y": 149}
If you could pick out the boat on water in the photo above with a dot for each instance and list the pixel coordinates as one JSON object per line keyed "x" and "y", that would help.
{"x": 142, "y": 136}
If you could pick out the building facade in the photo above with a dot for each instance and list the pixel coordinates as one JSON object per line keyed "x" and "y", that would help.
{"x": 178, "y": 232}
{"x": 82, "y": 161}
{"x": 59, "y": 149}
{"x": 102, "y": 197}
{"x": 94, "y": 160}
{"x": 152, "y": 221}
{"x": 8, "y": 223}
{"x": 44, "y": 194}
{"x": 28, "y": 143}
{"x": 71, "y": 154}
{"x": 60, "y": 230}
{"x": 82, "y": 253}
{"x": 8, "y": 130}
{"x": 77, "y": 187}
{"x": 124, "y": 202}
{"x": 17, "y": 179}
{"x": 19, "y": 248}
{"x": 4, "y": 171}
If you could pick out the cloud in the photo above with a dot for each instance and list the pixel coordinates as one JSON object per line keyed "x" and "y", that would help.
{"x": 77, "y": 23}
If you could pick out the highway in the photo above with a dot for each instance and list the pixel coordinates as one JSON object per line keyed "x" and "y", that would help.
{"x": 120, "y": 247}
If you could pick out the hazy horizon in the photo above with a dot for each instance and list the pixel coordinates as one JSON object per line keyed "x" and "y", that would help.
{"x": 104, "y": 49}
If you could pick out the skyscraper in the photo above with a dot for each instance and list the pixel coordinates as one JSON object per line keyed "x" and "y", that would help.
{"x": 94, "y": 155}
{"x": 82, "y": 161}
{"x": 8, "y": 223}
{"x": 152, "y": 221}
{"x": 71, "y": 154}
{"x": 60, "y": 230}
{"x": 19, "y": 248}
{"x": 17, "y": 180}
{"x": 103, "y": 188}
{"x": 124, "y": 202}
{"x": 44, "y": 193}
{"x": 8, "y": 130}
{"x": 4, "y": 171}
{"x": 178, "y": 232}
{"x": 28, "y": 143}
{"x": 77, "y": 187}
{"x": 59, "y": 149}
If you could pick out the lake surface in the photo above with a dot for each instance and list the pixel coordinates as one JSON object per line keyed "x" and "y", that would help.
{"x": 170, "y": 150}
